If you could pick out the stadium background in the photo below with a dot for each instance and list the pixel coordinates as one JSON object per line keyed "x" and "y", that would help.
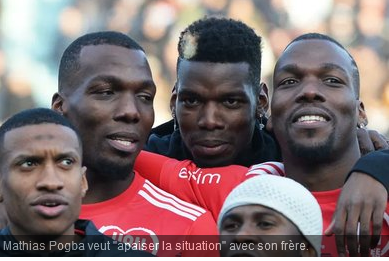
{"x": 34, "y": 33}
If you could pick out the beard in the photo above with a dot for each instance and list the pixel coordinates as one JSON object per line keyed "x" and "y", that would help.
{"x": 107, "y": 169}
{"x": 315, "y": 152}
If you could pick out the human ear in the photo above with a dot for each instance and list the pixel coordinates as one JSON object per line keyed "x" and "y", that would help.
{"x": 262, "y": 101}
{"x": 362, "y": 117}
{"x": 84, "y": 182}
{"x": 1, "y": 189}
{"x": 57, "y": 103}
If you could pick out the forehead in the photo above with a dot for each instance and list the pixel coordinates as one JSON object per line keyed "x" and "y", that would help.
{"x": 191, "y": 70}
{"x": 37, "y": 138}
{"x": 313, "y": 53}
{"x": 254, "y": 209}
{"x": 111, "y": 58}
{"x": 209, "y": 77}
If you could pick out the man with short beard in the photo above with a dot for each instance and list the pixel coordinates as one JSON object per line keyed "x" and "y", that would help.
{"x": 106, "y": 90}
{"x": 315, "y": 113}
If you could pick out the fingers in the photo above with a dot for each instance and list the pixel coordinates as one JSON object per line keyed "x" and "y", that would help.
{"x": 329, "y": 230}
{"x": 379, "y": 140}
{"x": 364, "y": 230}
{"x": 352, "y": 229}
{"x": 377, "y": 225}
{"x": 360, "y": 214}
{"x": 337, "y": 227}
{"x": 384, "y": 144}
{"x": 365, "y": 143}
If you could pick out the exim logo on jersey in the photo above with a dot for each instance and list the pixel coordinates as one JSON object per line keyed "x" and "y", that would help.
{"x": 138, "y": 237}
{"x": 199, "y": 177}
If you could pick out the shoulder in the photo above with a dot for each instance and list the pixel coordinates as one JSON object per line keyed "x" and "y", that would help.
{"x": 164, "y": 200}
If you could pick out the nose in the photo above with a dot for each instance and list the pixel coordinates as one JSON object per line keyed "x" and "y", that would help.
{"x": 210, "y": 117}
{"x": 50, "y": 179}
{"x": 246, "y": 235}
{"x": 127, "y": 109}
{"x": 310, "y": 92}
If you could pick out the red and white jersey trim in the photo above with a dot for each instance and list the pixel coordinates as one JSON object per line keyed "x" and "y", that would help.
{"x": 270, "y": 167}
{"x": 162, "y": 199}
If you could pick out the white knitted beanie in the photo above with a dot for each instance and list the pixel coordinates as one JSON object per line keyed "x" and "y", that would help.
{"x": 283, "y": 195}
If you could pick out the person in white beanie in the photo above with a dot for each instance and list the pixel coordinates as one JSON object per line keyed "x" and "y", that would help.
{"x": 269, "y": 215}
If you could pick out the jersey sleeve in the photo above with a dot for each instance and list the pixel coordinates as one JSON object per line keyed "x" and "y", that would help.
{"x": 204, "y": 235}
{"x": 205, "y": 187}
{"x": 149, "y": 166}
{"x": 376, "y": 165}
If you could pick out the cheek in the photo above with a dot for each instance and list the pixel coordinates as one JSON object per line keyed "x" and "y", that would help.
{"x": 187, "y": 122}
{"x": 147, "y": 116}
{"x": 15, "y": 192}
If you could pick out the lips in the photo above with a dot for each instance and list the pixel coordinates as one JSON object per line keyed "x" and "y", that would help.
{"x": 209, "y": 147}
{"x": 312, "y": 117}
{"x": 125, "y": 142}
{"x": 49, "y": 206}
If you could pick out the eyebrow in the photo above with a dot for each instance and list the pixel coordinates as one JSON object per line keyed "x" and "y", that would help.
{"x": 294, "y": 69}
{"x": 116, "y": 81}
{"x": 72, "y": 154}
{"x": 35, "y": 157}
{"x": 222, "y": 95}
{"x": 332, "y": 66}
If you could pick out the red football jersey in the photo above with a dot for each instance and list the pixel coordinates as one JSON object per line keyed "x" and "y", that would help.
{"x": 205, "y": 187}
{"x": 208, "y": 188}
{"x": 148, "y": 218}
{"x": 327, "y": 201}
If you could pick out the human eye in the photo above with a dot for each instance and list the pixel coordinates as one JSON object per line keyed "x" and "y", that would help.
{"x": 28, "y": 164}
{"x": 190, "y": 101}
{"x": 104, "y": 92}
{"x": 230, "y": 225}
{"x": 265, "y": 224}
{"x": 231, "y": 103}
{"x": 147, "y": 98}
{"x": 66, "y": 163}
{"x": 101, "y": 89}
{"x": 332, "y": 81}
{"x": 288, "y": 82}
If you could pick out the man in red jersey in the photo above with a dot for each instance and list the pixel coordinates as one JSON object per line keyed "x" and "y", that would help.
{"x": 106, "y": 90}
{"x": 315, "y": 113}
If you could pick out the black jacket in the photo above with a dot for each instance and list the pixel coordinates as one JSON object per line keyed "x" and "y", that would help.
{"x": 92, "y": 244}
{"x": 375, "y": 164}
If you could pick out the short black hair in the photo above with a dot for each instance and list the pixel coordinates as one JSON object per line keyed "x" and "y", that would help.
{"x": 34, "y": 117}
{"x": 318, "y": 36}
{"x": 70, "y": 59}
{"x": 221, "y": 40}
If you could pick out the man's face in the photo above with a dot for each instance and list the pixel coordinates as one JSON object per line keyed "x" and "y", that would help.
{"x": 216, "y": 110}
{"x": 261, "y": 230}
{"x": 314, "y": 107}
{"x": 42, "y": 179}
{"x": 111, "y": 103}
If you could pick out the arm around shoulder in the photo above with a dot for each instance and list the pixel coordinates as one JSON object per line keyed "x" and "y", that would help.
{"x": 376, "y": 165}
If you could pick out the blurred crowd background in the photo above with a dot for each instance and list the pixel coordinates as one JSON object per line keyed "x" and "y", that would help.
{"x": 34, "y": 33}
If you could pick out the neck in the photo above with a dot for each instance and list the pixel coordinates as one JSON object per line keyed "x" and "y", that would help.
{"x": 321, "y": 175}
{"x": 46, "y": 241}
{"x": 102, "y": 189}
